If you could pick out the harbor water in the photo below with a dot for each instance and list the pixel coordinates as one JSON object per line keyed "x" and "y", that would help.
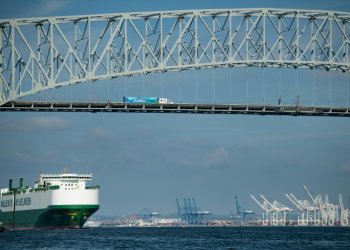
{"x": 180, "y": 238}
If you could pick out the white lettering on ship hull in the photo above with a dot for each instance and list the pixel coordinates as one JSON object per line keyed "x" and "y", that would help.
{"x": 19, "y": 202}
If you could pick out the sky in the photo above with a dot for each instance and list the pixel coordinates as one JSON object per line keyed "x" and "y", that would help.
{"x": 148, "y": 160}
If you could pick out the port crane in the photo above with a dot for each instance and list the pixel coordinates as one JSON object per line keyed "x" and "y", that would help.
{"x": 241, "y": 211}
{"x": 308, "y": 211}
{"x": 275, "y": 213}
{"x": 316, "y": 210}
{"x": 317, "y": 202}
{"x": 328, "y": 214}
{"x": 267, "y": 216}
{"x": 344, "y": 213}
{"x": 299, "y": 204}
{"x": 190, "y": 213}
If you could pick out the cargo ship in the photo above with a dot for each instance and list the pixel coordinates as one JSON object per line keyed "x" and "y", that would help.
{"x": 55, "y": 201}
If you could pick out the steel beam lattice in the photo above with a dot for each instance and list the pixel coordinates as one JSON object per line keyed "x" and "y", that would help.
{"x": 49, "y": 52}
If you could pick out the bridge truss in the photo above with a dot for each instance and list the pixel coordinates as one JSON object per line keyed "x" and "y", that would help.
{"x": 49, "y": 52}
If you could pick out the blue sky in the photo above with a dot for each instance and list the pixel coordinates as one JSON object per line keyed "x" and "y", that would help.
{"x": 148, "y": 160}
{"x": 23, "y": 8}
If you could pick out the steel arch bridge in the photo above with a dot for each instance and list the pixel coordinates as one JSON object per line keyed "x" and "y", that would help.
{"x": 49, "y": 52}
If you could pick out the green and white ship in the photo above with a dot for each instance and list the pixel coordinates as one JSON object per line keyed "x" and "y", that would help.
{"x": 55, "y": 201}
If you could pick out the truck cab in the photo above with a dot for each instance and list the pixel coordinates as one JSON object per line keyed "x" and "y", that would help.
{"x": 164, "y": 100}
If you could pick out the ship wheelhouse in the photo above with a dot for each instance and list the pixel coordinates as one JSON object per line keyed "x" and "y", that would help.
{"x": 65, "y": 181}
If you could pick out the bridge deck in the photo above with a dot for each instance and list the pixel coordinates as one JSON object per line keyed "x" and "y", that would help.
{"x": 256, "y": 109}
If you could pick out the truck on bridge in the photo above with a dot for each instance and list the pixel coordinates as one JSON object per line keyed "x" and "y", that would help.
{"x": 145, "y": 99}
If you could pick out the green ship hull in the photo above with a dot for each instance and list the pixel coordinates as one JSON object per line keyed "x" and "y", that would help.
{"x": 64, "y": 216}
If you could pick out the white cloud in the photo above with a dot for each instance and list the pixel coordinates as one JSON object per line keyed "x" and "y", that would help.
{"x": 218, "y": 157}
{"x": 345, "y": 167}
{"x": 44, "y": 122}
{"x": 34, "y": 123}
{"x": 50, "y": 6}
{"x": 35, "y": 8}
{"x": 101, "y": 133}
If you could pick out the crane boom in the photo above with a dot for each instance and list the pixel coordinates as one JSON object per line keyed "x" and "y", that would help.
{"x": 295, "y": 201}
{"x": 267, "y": 201}
{"x": 310, "y": 195}
{"x": 341, "y": 202}
{"x": 258, "y": 202}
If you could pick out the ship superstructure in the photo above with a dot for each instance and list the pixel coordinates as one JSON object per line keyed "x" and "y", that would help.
{"x": 56, "y": 200}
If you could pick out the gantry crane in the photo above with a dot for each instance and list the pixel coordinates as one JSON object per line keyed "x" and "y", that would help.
{"x": 344, "y": 213}
{"x": 275, "y": 213}
{"x": 190, "y": 213}
{"x": 241, "y": 211}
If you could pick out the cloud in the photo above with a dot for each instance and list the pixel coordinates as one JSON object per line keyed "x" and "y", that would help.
{"x": 345, "y": 168}
{"x": 49, "y": 7}
{"x": 52, "y": 6}
{"x": 44, "y": 122}
{"x": 218, "y": 158}
{"x": 334, "y": 4}
{"x": 34, "y": 8}
{"x": 102, "y": 133}
{"x": 36, "y": 123}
